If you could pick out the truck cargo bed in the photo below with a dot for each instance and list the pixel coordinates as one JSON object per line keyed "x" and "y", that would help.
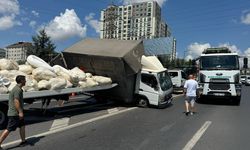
{"x": 51, "y": 93}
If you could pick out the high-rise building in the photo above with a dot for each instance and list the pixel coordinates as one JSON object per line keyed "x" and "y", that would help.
{"x": 133, "y": 22}
{"x": 173, "y": 57}
{"x": 18, "y": 51}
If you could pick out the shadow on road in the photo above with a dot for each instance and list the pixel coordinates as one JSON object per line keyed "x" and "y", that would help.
{"x": 30, "y": 142}
{"x": 36, "y": 115}
{"x": 218, "y": 101}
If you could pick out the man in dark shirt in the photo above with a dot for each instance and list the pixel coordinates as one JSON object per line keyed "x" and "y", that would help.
{"x": 15, "y": 111}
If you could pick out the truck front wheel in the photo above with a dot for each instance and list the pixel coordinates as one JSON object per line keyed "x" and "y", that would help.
{"x": 237, "y": 100}
{"x": 3, "y": 116}
{"x": 143, "y": 102}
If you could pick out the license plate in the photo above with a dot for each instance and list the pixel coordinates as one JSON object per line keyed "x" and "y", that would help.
{"x": 219, "y": 94}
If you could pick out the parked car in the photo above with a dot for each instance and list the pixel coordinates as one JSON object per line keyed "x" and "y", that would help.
{"x": 247, "y": 81}
{"x": 243, "y": 79}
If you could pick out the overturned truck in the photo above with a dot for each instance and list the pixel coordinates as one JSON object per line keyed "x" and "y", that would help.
{"x": 121, "y": 61}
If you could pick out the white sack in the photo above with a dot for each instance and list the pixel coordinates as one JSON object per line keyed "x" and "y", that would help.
{"x": 60, "y": 71}
{"x": 11, "y": 86}
{"x": 31, "y": 84}
{"x": 69, "y": 84}
{"x": 102, "y": 80}
{"x": 76, "y": 72}
{"x": 4, "y": 73}
{"x": 83, "y": 84}
{"x": 43, "y": 74}
{"x": 88, "y": 75}
{"x": 75, "y": 80}
{"x": 44, "y": 85}
{"x": 26, "y": 69}
{"x": 91, "y": 82}
{"x": 60, "y": 68}
{"x": 67, "y": 74}
{"x": 37, "y": 62}
{"x": 4, "y": 81}
{"x": 6, "y": 64}
{"x": 88, "y": 83}
{"x": 57, "y": 83}
{"x": 3, "y": 89}
{"x": 11, "y": 75}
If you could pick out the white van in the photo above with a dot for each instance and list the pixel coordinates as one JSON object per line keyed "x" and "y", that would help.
{"x": 178, "y": 78}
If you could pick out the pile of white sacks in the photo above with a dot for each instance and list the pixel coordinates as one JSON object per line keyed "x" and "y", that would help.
{"x": 41, "y": 76}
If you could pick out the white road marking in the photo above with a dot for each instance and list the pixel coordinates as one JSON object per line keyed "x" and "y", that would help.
{"x": 70, "y": 126}
{"x": 80, "y": 108}
{"x": 113, "y": 110}
{"x": 60, "y": 123}
{"x": 197, "y": 136}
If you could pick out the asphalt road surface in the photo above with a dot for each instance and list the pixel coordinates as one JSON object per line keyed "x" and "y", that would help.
{"x": 217, "y": 125}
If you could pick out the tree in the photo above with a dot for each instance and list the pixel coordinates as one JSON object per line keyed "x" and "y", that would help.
{"x": 178, "y": 63}
{"x": 42, "y": 46}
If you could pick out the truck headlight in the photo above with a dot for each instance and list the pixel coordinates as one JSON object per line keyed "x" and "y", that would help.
{"x": 161, "y": 98}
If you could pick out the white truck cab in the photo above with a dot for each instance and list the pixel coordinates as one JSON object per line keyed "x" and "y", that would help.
{"x": 178, "y": 78}
{"x": 155, "y": 86}
{"x": 219, "y": 74}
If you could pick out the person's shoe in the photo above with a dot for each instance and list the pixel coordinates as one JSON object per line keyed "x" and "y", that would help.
{"x": 191, "y": 113}
{"x": 186, "y": 113}
{"x": 24, "y": 143}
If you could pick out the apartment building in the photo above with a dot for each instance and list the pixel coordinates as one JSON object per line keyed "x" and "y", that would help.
{"x": 17, "y": 51}
{"x": 133, "y": 22}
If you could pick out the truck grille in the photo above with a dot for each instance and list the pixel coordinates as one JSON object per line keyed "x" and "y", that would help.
{"x": 219, "y": 84}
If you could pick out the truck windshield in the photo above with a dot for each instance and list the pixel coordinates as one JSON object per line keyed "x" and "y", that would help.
{"x": 165, "y": 81}
{"x": 222, "y": 62}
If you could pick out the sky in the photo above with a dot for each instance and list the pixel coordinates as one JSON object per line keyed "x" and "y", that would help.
{"x": 196, "y": 24}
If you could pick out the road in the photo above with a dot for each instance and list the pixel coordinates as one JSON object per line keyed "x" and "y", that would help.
{"x": 216, "y": 126}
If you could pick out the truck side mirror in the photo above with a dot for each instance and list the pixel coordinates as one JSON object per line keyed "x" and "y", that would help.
{"x": 245, "y": 61}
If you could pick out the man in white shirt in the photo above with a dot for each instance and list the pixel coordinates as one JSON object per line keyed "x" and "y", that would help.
{"x": 190, "y": 93}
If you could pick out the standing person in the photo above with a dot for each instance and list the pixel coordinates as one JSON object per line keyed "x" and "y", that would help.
{"x": 190, "y": 93}
{"x": 15, "y": 111}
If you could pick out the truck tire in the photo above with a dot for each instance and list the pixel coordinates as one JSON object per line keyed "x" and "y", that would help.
{"x": 237, "y": 100}
{"x": 3, "y": 116}
{"x": 199, "y": 99}
{"x": 142, "y": 102}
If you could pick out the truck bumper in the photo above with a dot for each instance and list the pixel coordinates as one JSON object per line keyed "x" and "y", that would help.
{"x": 235, "y": 90}
{"x": 168, "y": 99}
